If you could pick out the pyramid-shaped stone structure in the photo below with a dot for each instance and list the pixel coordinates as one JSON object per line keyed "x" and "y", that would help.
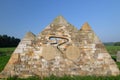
{"x": 95, "y": 59}
{"x": 60, "y": 49}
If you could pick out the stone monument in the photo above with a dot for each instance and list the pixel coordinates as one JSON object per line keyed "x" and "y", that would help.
{"x": 60, "y": 49}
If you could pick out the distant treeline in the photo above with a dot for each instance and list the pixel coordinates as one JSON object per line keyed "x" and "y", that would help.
{"x": 8, "y": 41}
{"x": 117, "y": 44}
{"x": 112, "y": 43}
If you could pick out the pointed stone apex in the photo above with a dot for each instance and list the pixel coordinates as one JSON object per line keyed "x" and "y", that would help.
{"x": 60, "y": 20}
{"x": 86, "y": 27}
{"x": 29, "y": 35}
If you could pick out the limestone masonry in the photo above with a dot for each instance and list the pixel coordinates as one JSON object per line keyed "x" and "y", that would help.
{"x": 60, "y": 49}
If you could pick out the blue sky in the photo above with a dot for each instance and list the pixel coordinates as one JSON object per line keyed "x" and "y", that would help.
{"x": 20, "y": 16}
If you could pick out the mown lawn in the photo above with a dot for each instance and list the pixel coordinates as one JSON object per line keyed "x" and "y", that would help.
{"x": 6, "y": 51}
{"x": 5, "y": 54}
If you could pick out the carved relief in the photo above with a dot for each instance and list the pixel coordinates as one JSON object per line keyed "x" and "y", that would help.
{"x": 73, "y": 53}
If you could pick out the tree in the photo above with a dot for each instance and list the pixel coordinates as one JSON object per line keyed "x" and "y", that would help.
{"x": 8, "y": 41}
{"x": 117, "y": 44}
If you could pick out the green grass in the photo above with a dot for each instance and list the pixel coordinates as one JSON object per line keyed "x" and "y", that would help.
{"x": 6, "y": 51}
{"x": 3, "y": 62}
{"x": 5, "y": 54}
{"x": 30, "y": 78}
{"x": 69, "y": 78}
{"x": 118, "y": 64}
{"x": 113, "y": 49}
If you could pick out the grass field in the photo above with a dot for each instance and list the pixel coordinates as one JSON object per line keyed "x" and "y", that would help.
{"x": 6, "y": 51}
{"x": 5, "y": 54}
{"x": 113, "y": 49}
{"x": 69, "y": 78}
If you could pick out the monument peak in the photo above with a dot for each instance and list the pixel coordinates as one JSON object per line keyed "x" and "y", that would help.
{"x": 86, "y": 27}
{"x": 29, "y": 35}
{"x": 59, "y": 20}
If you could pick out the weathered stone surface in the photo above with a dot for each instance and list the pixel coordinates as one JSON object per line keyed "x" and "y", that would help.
{"x": 96, "y": 54}
{"x": 60, "y": 49}
{"x": 25, "y": 43}
{"x": 49, "y": 52}
{"x": 73, "y": 53}
{"x": 29, "y": 36}
{"x": 60, "y": 21}
{"x": 86, "y": 27}
{"x": 118, "y": 56}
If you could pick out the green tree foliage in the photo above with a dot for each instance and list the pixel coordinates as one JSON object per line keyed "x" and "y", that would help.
{"x": 117, "y": 44}
{"x": 7, "y": 41}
